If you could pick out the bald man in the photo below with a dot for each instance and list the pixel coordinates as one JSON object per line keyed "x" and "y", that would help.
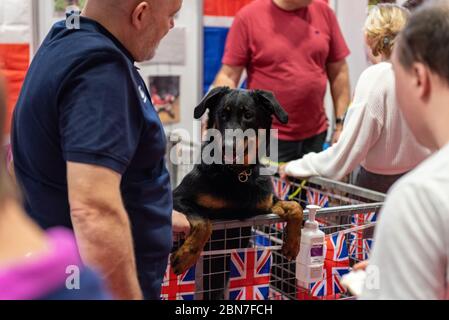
{"x": 89, "y": 147}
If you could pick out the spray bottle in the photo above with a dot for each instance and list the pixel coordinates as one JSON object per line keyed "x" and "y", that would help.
{"x": 310, "y": 260}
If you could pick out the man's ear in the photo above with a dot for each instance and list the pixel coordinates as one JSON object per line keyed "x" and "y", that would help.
{"x": 138, "y": 14}
{"x": 270, "y": 103}
{"x": 210, "y": 101}
{"x": 422, "y": 81}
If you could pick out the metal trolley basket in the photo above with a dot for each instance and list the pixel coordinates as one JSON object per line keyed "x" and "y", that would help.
{"x": 243, "y": 259}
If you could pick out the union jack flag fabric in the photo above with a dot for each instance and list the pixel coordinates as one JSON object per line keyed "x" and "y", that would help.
{"x": 276, "y": 295}
{"x": 336, "y": 264}
{"x": 359, "y": 245}
{"x": 281, "y": 189}
{"x": 314, "y": 197}
{"x": 178, "y": 287}
{"x": 250, "y": 274}
{"x": 15, "y": 39}
{"x": 218, "y": 18}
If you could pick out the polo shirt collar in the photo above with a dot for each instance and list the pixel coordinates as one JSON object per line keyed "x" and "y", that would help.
{"x": 92, "y": 25}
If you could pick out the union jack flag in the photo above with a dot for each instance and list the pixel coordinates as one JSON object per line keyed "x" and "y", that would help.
{"x": 314, "y": 197}
{"x": 359, "y": 245}
{"x": 336, "y": 264}
{"x": 250, "y": 274}
{"x": 281, "y": 189}
{"x": 276, "y": 295}
{"x": 178, "y": 287}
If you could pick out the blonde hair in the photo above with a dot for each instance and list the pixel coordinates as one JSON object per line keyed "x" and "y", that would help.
{"x": 383, "y": 24}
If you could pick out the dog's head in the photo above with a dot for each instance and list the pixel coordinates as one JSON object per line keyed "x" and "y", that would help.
{"x": 240, "y": 111}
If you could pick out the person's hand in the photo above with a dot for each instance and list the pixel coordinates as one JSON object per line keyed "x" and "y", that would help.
{"x": 180, "y": 223}
{"x": 281, "y": 170}
{"x": 361, "y": 265}
{"x": 337, "y": 134}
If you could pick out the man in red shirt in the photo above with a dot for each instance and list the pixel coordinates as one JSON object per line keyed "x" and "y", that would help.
{"x": 292, "y": 48}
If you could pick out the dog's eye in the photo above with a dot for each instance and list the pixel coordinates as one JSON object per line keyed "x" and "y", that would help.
{"x": 248, "y": 115}
{"x": 224, "y": 113}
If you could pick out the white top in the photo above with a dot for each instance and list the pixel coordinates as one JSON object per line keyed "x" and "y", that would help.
{"x": 411, "y": 249}
{"x": 375, "y": 134}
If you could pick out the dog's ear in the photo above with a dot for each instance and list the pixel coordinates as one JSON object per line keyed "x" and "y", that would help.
{"x": 212, "y": 99}
{"x": 269, "y": 101}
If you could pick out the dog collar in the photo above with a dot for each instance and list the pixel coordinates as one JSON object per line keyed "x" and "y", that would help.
{"x": 244, "y": 175}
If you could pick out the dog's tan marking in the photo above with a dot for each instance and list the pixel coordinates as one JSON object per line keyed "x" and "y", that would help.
{"x": 188, "y": 254}
{"x": 291, "y": 212}
{"x": 211, "y": 202}
{"x": 266, "y": 204}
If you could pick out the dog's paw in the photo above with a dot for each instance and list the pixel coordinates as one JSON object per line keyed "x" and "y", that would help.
{"x": 184, "y": 258}
{"x": 290, "y": 248}
{"x": 291, "y": 212}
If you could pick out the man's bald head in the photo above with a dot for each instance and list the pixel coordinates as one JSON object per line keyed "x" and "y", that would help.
{"x": 117, "y": 5}
{"x": 138, "y": 24}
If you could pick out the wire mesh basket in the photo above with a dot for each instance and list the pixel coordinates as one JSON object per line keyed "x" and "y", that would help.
{"x": 243, "y": 259}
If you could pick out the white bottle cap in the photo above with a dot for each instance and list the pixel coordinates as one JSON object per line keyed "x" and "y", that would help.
{"x": 312, "y": 212}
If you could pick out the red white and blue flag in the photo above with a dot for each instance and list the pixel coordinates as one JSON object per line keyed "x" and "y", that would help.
{"x": 218, "y": 18}
{"x": 314, "y": 197}
{"x": 15, "y": 39}
{"x": 250, "y": 274}
{"x": 281, "y": 189}
{"x": 359, "y": 245}
{"x": 178, "y": 287}
{"x": 336, "y": 264}
{"x": 276, "y": 295}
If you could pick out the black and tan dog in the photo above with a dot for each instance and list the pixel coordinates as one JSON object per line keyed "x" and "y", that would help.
{"x": 232, "y": 191}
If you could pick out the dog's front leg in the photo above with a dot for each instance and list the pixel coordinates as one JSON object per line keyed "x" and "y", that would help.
{"x": 188, "y": 254}
{"x": 291, "y": 212}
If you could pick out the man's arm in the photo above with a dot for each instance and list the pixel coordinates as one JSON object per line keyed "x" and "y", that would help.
{"x": 229, "y": 76}
{"x": 338, "y": 74}
{"x": 102, "y": 227}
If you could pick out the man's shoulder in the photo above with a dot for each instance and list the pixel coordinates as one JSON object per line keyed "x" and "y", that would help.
{"x": 433, "y": 168}
{"x": 80, "y": 44}
{"x": 321, "y": 7}
{"x": 253, "y": 9}
{"x": 429, "y": 181}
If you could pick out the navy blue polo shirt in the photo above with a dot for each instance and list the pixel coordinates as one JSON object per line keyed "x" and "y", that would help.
{"x": 84, "y": 101}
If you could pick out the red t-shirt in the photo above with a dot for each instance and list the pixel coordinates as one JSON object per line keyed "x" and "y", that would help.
{"x": 286, "y": 52}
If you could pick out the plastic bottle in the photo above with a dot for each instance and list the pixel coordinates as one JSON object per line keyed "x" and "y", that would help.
{"x": 310, "y": 260}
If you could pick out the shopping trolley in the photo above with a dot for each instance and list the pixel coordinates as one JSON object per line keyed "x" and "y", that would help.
{"x": 243, "y": 259}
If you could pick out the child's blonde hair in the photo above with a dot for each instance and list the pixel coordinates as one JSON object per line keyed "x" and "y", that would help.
{"x": 383, "y": 24}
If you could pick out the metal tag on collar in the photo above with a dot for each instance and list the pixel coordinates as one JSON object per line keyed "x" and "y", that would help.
{"x": 244, "y": 176}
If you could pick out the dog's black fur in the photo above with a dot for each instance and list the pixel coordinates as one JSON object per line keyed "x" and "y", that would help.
{"x": 228, "y": 109}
